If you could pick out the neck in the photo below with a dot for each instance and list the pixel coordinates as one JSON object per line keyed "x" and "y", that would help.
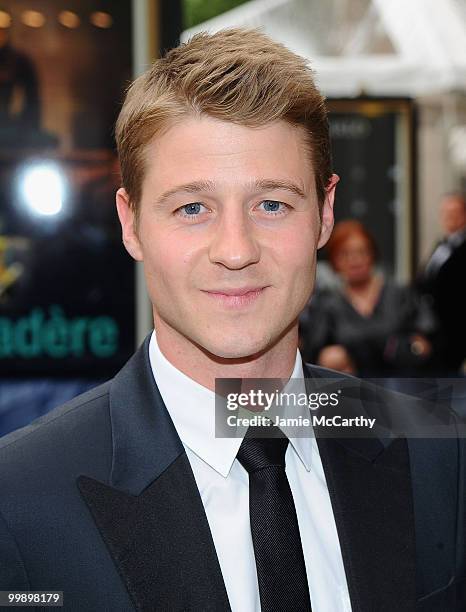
{"x": 362, "y": 285}
{"x": 458, "y": 231}
{"x": 204, "y": 367}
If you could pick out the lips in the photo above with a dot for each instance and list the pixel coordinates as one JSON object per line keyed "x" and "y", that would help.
{"x": 236, "y": 291}
{"x": 234, "y": 298}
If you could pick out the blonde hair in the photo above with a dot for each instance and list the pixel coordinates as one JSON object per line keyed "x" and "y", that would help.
{"x": 238, "y": 75}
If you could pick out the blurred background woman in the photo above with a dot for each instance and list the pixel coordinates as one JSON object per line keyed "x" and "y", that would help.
{"x": 367, "y": 325}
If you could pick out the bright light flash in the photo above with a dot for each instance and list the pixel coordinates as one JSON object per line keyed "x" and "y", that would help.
{"x": 43, "y": 189}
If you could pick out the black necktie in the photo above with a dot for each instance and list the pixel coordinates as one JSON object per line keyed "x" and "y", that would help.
{"x": 281, "y": 572}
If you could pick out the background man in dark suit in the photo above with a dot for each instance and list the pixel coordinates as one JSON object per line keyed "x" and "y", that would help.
{"x": 440, "y": 282}
{"x": 124, "y": 498}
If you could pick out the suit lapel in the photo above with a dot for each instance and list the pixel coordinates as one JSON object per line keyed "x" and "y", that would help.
{"x": 150, "y": 514}
{"x": 160, "y": 541}
{"x": 438, "y": 484}
{"x": 370, "y": 489}
{"x": 373, "y": 511}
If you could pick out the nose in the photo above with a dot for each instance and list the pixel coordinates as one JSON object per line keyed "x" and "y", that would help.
{"x": 234, "y": 244}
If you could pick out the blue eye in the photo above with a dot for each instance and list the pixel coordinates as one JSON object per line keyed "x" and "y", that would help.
{"x": 273, "y": 206}
{"x": 192, "y": 209}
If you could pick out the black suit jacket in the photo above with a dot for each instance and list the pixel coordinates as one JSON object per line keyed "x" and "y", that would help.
{"x": 98, "y": 500}
{"x": 443, "y": 286}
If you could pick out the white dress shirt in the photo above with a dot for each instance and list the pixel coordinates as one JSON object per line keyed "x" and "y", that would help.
{"x": 444, "y": 251}
{"x": 223, "y": 484}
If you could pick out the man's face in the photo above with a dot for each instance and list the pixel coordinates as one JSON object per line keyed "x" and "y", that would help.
{"x": 452, "y": 214}
{"x": 228, "y": 231}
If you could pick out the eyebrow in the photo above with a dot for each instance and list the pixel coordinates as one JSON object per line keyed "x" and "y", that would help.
{"x": 256, "y": 186}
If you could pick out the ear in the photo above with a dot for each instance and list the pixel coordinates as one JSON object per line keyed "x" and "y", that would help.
{"x": 128, "y": 228}
{"x": 326, "y": 226}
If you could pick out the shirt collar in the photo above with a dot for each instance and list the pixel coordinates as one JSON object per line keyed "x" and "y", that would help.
{"x": 457, "y": 237}
{"x": 192, "y": 410}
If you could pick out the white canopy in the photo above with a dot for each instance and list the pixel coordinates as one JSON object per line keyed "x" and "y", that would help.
{"x": 377, "y": 47}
